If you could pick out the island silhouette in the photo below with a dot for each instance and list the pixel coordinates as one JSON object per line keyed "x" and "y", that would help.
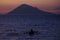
{"x": 26, "y": 9}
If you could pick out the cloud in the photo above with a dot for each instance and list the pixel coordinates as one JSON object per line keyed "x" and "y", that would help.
{"x": 58, "y": 8}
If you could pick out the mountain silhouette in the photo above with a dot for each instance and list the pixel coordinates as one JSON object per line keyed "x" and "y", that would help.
{"x": 27, "y": 9}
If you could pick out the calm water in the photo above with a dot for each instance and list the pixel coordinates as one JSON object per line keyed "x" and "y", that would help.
{"x": 17, "y": 27}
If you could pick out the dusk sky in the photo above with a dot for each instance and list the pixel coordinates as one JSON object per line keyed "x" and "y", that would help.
{"x": 45, "y": 5}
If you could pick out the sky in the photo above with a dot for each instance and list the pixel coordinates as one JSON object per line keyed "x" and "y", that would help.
{"x": 45, "y": 5}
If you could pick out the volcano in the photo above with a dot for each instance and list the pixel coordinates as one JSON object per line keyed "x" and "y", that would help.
{"x": 27, "y": 10}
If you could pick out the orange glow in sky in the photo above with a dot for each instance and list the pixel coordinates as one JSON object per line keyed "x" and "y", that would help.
{"x": 45, "y": 5}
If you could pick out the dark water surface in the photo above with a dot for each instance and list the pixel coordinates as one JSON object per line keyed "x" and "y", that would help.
{"x": 18, "y": 27}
